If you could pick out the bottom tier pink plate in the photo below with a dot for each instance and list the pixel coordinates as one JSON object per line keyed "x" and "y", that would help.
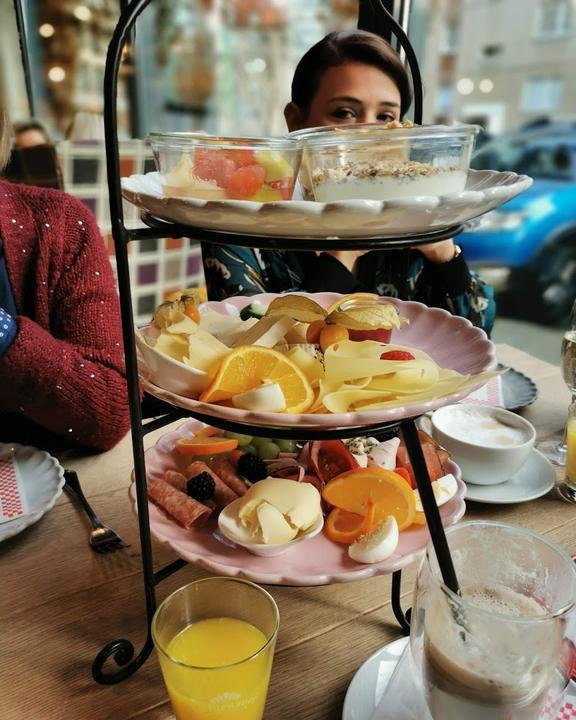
{"x": 316, "y": 562}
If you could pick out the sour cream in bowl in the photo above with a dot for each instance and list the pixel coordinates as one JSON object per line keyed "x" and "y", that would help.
{"x": 489, "y": 444}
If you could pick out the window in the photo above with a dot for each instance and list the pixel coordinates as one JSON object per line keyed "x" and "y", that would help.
{"x": 542, "y": 94}
{"x": 449, "y": 38}
{"x": 553, "y": 18}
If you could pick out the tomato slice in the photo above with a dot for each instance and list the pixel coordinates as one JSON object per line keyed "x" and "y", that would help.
{"x": 329, "y": 458}
{"x": 433, "y": 463}
{"x": 206, "y": 445}
{"x": 405, "y": 473}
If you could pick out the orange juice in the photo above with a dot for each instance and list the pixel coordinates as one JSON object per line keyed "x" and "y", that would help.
{"x": 212, "y": 674}
{"x": 571, "y": 451}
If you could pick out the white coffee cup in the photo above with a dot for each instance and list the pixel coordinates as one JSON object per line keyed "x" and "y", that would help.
{"x": 489, "y": 444}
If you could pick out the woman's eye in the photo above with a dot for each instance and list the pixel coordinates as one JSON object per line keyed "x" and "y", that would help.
{"x": 386, "y": 117}
{"x": 343, "y": 114}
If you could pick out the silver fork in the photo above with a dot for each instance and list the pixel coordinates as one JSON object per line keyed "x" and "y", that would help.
{"x": 102, "y": 538}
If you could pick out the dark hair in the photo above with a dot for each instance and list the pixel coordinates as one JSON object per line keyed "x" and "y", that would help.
{"x": 22, "y": 126}
{"x": 5, "y": 138}
{"x": 339, "y": 48}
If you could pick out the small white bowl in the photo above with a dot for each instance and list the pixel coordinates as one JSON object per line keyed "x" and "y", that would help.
{"x": 166, "y": 372}
{"x": 489, "y": 444}
{"x": 265, "y": 550}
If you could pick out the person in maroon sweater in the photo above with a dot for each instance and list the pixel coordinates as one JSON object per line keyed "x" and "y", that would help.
{"x": 62, "y": 378}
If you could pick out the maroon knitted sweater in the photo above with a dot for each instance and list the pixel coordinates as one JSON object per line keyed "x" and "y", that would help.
{"x": 64, "y": 372}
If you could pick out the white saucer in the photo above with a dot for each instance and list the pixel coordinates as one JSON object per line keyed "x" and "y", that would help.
{"x": 534, "y": 479}
{"x": 372, "y": 677}
{"x": 42, "y": 481}
{"x": 368, "y": 685}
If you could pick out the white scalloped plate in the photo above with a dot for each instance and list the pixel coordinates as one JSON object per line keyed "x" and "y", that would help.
{"x": 453, "y": 342}
{"x": 42, "y": 482}
{"x": 318, "y": 561}
{"x": 485, "y": 190}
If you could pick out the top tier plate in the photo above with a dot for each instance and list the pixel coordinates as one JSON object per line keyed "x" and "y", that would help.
{"x": 485, "y": 190}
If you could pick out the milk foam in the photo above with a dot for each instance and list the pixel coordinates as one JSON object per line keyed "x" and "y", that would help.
{"x": 475, "y": 426}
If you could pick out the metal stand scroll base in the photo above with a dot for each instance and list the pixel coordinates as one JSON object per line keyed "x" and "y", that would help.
{"x": 122, "y": 652}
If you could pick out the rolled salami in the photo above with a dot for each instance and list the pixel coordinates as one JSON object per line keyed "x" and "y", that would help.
{"x": 176, "y": 479}
{"x": 187, "y": 511}
{"x": 225, "y": 471}
{"x": 223, "y": 495}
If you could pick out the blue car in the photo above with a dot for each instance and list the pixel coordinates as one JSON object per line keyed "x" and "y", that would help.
{"x": 534, "y": 234}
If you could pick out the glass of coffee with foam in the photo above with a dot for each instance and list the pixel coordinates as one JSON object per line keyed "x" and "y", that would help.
{"x": 503, "y": 648}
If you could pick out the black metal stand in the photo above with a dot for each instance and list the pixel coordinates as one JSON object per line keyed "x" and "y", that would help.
{"x": 122, "y": 651}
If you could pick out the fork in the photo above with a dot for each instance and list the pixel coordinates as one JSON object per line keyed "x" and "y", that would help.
{"x": 102, "y": 538}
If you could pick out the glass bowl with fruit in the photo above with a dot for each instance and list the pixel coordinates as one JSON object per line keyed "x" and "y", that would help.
{"x": 392, "y": 161}
{"x": 208, "y": 167}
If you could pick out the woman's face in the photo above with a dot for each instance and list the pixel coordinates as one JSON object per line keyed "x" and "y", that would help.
{"x": 351, "y": 93}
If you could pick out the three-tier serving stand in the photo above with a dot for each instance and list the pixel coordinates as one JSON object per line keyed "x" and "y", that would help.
{"x": 122, "y": 651}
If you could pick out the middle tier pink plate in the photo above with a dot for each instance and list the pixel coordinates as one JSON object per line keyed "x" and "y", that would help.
{"x": 451, "y": 341}
{"x": 318, "y": 561}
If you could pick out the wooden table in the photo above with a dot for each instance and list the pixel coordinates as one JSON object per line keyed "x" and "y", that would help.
{"x": 60, "y": 602}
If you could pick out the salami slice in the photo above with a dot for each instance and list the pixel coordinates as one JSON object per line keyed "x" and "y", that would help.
{"x": 225, "y": 471}
{"x": 187, "y": 511}
{"x": 223, "y": 495}
{"x": 176, "y": 479}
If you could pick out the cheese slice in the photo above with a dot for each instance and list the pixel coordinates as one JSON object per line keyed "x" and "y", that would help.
{"x": 225, "y": 328}
{"x": 175, "y": 346}
{"x": 299, "y": 503}
{"x": 185, "y": 326}
{"x": 267, "y": 332}
{"x": 204, "y": 351}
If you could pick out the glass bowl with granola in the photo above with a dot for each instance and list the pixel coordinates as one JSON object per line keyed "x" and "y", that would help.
{"x": 384, "y": 161}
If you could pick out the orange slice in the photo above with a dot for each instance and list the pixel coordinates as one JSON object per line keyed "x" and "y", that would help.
{"x": 205, "y": 445}
{"x": 354, "y": 490}
{"x": 249, "y": 366}
{"x": 346, "y": 527}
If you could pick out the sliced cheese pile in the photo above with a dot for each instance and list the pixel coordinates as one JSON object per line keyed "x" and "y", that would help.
{"x": 275, "y": 510}
{"x": 355, "y": 378}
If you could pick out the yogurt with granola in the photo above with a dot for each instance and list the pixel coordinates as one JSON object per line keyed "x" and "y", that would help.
{"x": 388, "y": 179}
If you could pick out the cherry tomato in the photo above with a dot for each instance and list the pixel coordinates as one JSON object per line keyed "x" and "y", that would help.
{"x": 329, "y": 458}
{"x": 397, "y": 355}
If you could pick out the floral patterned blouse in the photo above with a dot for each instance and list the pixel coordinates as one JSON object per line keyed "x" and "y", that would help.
{"x": 394, "y": 273}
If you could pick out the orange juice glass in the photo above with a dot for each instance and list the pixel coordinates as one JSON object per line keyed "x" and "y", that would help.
{"x": 215, "y": 641}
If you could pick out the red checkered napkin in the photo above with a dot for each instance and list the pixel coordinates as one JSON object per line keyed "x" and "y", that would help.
{"x": 568, "y": 712}
{"x": 489, "y": 394}
{"x": 12, "y": 498}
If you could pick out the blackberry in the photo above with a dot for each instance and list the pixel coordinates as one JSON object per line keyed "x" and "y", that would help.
{"x": 201, "y": 487}
{"x": 252, "y": 467}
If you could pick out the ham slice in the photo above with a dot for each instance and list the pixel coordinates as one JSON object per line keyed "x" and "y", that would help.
{"x": 226, "y": 472}
{"x": 223, "y": 495}
{"x": 187, "y": 511}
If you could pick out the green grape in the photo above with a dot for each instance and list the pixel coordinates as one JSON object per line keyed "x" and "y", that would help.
{"x": 286, "y": 445}
{"x": 260, "y": 441}
{"x": 250, "y": 449}
{"x": 268, "y": 450}
{"x": 242, "y": 439}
